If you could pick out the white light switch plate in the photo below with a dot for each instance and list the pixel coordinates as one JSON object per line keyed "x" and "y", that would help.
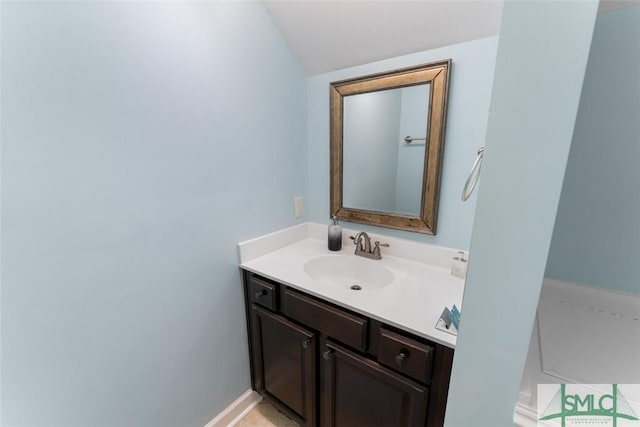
{"x": 298, "y": 210}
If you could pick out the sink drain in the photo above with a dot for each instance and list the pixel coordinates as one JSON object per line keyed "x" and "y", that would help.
{"x": 356, "y": 287}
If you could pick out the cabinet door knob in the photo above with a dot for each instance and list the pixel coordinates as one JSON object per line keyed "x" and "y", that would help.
{"x": 401, "y": 358}
{"x": 260, "y": 293}
{"x": 305, "y": 343}
{"x": 327, "y": 354}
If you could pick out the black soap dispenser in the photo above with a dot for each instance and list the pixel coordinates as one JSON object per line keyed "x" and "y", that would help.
{"x": 335, "y": 235}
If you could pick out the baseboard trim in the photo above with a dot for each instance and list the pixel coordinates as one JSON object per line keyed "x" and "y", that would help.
{"x": 233, "y": 413}
{"x": 525, "y": 416}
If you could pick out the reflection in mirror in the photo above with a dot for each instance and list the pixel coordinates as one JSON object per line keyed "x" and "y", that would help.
{"x": 387, "y": 133}
{"x": 381, "y": 171}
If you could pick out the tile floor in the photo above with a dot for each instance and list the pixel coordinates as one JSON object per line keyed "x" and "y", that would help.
{"x": 265, "y": 415}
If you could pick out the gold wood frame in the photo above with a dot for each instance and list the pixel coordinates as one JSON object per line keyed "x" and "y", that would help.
{"x": 437, "y": 75}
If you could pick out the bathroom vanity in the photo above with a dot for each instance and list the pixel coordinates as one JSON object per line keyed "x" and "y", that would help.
{"x": 330, "y": 355}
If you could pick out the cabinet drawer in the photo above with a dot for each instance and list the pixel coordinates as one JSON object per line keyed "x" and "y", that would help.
{"x": 263, "y": 293}
{"x": 405, "y": 355}
{"x": 333, "y": 322}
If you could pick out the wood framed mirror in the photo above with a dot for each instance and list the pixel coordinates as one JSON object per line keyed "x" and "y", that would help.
{"x": 387, "y": 137}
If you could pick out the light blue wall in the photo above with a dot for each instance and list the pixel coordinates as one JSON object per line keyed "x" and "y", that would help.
{"x": 370, "y": 157}
{"x": 140, "y": 143}
{"x": 540, "y": 67}
{"x": 470, "y": 92}
{"x": 1, "y": 133}
{"x": 596, "y": 239}
{"x": 413, "y": 122}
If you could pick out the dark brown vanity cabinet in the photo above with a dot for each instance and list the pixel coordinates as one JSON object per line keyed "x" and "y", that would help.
{"x": 285, "y": 367}
{"x": 326, "y": 366}
{"x": 359, "y": 392}
{"x": 283, "y": 354}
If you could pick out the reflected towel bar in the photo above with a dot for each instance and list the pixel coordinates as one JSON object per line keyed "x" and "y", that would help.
{"x": 408, "y": 139}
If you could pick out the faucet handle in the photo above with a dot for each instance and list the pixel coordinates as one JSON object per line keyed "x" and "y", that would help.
{"x": 376, "y": 249}
{"x": 357, "y": 240}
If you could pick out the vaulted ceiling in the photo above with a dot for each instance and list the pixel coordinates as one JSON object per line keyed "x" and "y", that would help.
{"x": 327, "y": 35}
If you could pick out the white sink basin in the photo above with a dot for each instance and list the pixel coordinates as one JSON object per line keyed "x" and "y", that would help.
{"x": 349, "y": 272}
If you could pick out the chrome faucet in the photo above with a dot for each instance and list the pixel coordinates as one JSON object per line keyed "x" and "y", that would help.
{"x": 360, "y": 245}
{"x": 363, "y": 246}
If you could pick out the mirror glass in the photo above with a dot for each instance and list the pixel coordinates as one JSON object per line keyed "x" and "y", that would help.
{"x": 382, "y": 171}
{"x": 387, "y": 133}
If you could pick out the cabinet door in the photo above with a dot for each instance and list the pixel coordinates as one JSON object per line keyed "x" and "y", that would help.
{"x": 284, "y": 361}
{"x": 359, "y": 392}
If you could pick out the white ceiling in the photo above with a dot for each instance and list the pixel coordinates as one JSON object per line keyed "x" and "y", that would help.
{"x": 327, "y": 35}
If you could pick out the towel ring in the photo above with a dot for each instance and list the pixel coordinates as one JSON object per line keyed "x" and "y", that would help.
{"x": 474, "y": 175}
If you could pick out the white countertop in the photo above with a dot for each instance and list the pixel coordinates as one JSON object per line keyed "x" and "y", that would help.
{"x": 413, "y": 302}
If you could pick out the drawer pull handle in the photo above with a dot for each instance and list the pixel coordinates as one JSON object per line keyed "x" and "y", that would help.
{"x": 305, "y": 343}
{"x": 327, "y": 354}
{"x": 260, "y": 293}
{"x": 401, "y": 358}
